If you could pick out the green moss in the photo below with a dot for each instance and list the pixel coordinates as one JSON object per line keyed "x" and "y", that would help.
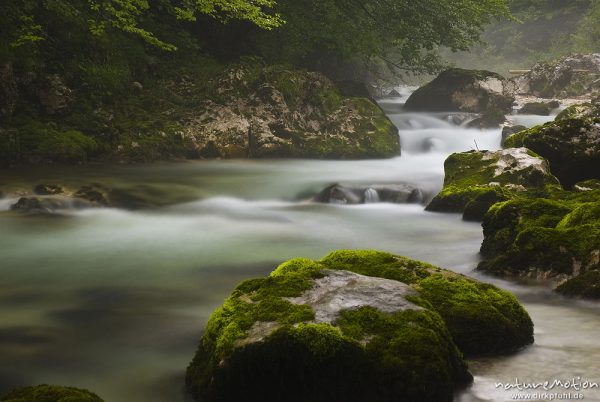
{"x": 550, "y": 237}
{"x": 481, "y": 318}
{"x": 50, "y": 393}
{"x": 379, "y": 264}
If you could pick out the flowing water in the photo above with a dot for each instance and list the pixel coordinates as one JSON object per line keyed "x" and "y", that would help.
{"x": 115, "y": 300}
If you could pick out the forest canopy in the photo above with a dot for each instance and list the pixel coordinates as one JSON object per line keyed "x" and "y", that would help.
{"x": 402, "y": 32}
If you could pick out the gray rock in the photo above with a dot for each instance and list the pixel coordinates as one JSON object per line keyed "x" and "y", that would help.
{"x": 510, "y": 130}
{"x": 465, "y": 91}
{"x": 394, "y": 193}
{"x": 569, "y": 76}
{"x": 48, "y": 189}
{"x": 339, "y": 291}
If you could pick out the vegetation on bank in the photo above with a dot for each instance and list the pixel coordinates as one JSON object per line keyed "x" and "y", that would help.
{"x": 259, "y": 334}
{"x": 84, "y": 79}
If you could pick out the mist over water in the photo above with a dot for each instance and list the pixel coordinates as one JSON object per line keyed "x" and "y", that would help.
{"x": 115, "y": 300}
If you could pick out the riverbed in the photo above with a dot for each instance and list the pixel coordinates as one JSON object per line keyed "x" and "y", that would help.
{"x": 114, "y": 300}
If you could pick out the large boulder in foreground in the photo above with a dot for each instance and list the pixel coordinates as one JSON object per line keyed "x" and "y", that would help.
{"x": 571, "y": 143}
{"x": 555, "y": 238}
{"x": 50, "y": 393}
{"x": 456, "y": 89}
{"x": 354, "y": 326}
{"x": 476, "y": 180}
{"x": 570, "y": 76}
{"x": 269, "y": 111}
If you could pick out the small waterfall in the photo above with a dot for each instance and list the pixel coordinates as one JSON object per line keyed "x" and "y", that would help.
{"x": 371, "y": 196}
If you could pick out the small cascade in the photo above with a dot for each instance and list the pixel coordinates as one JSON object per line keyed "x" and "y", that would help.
{"x": 371, "y": 196}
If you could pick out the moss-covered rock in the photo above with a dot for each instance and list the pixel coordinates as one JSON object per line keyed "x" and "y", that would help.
{"x": 539, "y": 108}
{"x": 462, "y": 90}
{"x": 571, "y": 143}
{"x": 586, "y": 286}
{"x": 354, "y": 326}
{"x": 476, "y": 180}
{"x": 274, "y": 111}
{"x": 557, "y": 238}
{"x": 50, "y": 393}
{"x": 566, "y": 77}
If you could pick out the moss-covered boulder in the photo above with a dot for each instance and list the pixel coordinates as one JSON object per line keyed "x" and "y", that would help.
{"x": 571, "y": 143}
{"x": 476, "y": 180}
{"x": 568, "y": 76}
{"x": 555, "y": 238}
{"x": 272, "y": 111}
{"x": 354, "y": 326}
{"x": 50, "y": 393}
{"x": 462, "y": 90}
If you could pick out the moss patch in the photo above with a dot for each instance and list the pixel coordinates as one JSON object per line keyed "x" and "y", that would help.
{"x": 50, "y": 393}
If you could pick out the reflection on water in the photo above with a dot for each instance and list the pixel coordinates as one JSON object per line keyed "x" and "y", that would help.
{"x": 115, "y": 300}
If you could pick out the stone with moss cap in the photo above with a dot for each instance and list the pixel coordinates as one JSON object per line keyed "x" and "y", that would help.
{"x": 50, "y": 393}
{"x": 555, "y": 238}
{"x": 462, "y": 90}
{"x": 476, "y": 180}
{"x": 354, "y": 326}
{"x": 571, "y": 143}
{"x": 276, "y": 111}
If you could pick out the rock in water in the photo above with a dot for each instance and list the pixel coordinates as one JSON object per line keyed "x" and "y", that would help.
{"x": 50, "y": 393}
{"x": 571, "y": 143}
{"x": 461, "y": 90}
{"x": 354, "y": 326}
{"x": 264, "y": 112}
{"x": 539, "y": 108}
{"x": 510, "y": 130}
{"x": 569, "y": 76}
{"x": 394, "y": 193}
{"x": 476, "y": 180}
{"x": 555, "y": 238}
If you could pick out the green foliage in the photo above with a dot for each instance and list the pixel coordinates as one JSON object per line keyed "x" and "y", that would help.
{"x": 50, "y": 393}
{"x": 532, "y": 35}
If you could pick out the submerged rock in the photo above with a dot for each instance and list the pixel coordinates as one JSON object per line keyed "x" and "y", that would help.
{"x": 48, "y": 189}
{"x": 476, "y": 180}
{"x": 461, "y": 90}
{"x": 50, "y": 393}
{"x": 354, "y": 326}
{"x": 539, "y": 108}
{"x": 571, "y": 143}
{"x": 489, "y": 119}
{"x": 394, "y": 193}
